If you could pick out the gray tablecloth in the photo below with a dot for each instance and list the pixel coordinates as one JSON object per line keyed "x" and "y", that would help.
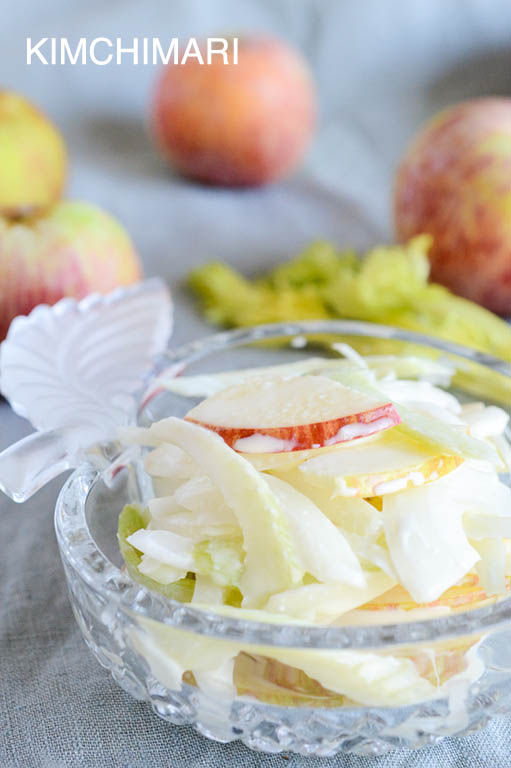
{"x": 382, "y": 67}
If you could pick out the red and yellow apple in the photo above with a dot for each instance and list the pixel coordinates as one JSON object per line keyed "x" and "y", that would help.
{"x": 276, "y": 683}
{"x": 274, "y": 415}
{"x": 455, "y": 184}
{"x": 285, "y": 461}
{"x": 279, "y": 684}
{"x": 236, "y": 124}
{"x": 33, "y": 158}
{"x": 73, "y": 250}
{"x": 391, "y": 462}
{"x": 468, "y": 594}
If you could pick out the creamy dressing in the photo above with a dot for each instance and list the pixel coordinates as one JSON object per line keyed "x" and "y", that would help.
{"x": 391, "y": 486}
{"x": 343, "y": 489}
{"x": 261, "y": 443}
{"x": 360, "y": 429}
{"x": 456, "y": 690}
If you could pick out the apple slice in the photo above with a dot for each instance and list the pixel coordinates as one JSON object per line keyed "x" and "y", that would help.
{"x": 279, "y": 684}
{"x": 324, "y": 603}
{"x": 284, "y": 461}
{"x": 272, "y": 414}
{"x": 387, "y": 464}
{"x": 426, "y": 427}
{"x": 467, "y": 592}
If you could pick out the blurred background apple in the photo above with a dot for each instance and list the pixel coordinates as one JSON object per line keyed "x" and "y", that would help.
{"x": 74, "y": 250}
{"x": 455, "y": 183}
{"x": 239, "y": 125}
{"x": 33, "y": 158}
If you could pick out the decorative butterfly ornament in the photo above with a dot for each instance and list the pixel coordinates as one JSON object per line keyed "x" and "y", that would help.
{"x": 72, "y": 371}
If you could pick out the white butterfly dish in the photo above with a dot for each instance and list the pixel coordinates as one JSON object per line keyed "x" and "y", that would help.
{"x": 72, "y": 370}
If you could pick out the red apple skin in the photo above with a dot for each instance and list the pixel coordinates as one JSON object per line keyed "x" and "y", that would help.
{"x": 306, "y": 436}
{"x": 455, "y": 183}
{"x": 73, "y": 250}
{"x": 239, "y": 124}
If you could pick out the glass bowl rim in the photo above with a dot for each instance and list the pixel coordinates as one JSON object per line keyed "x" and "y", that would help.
{"x": 80, "y": 552}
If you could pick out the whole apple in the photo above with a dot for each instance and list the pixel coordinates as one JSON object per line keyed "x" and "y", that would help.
{"x": 74, "y": 250}
{"x": 33, "y": 158}
{"x": 455, "y": 183}
{"x": 236, "y": 124}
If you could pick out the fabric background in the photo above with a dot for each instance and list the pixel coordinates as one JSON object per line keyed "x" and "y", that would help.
{"x": 382, "y": 67}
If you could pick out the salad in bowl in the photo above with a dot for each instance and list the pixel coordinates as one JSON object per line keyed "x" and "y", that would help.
{"x": 304, "y": 543}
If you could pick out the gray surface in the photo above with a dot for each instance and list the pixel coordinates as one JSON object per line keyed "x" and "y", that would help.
{"x": 382, "y": 67}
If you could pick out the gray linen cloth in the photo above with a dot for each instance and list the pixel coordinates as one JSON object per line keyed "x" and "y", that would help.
{"x": 382, "y": 68}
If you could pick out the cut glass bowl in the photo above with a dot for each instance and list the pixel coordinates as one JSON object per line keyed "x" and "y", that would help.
{"x": 183, "y": 659}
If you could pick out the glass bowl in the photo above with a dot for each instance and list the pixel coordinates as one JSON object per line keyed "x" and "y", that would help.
{"x": 237, "y": 679}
